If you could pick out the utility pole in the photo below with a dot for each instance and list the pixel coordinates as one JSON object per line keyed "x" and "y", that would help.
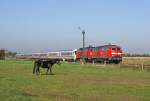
{"x": 83, "y": 33}
{"x": 83, "y": 40}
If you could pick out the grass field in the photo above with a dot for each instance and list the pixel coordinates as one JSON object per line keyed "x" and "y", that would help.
{"x": 72, "y": 82}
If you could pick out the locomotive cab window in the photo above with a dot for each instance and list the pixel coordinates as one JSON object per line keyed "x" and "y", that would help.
{"x": 113, "y": 49}
{"x": 95, "y": 49}
{"x": 104, "y": 48}
{"x": 118, "y": 49}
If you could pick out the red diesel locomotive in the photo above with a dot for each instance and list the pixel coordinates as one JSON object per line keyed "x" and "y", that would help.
{"x": 106, "y": 53}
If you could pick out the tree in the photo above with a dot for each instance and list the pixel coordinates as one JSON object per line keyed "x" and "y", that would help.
{"x": 10, "y": 54}
{"x": 2, "y": 54}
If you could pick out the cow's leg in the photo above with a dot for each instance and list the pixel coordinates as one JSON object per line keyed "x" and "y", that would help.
{"x": 34, "y": 68}
{"x": 47, "y": 70}
{"x": 50, "y": 69}
{"x": 37, "y": 70}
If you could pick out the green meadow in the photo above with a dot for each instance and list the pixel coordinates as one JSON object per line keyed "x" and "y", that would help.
{"x": 72, "y": 82}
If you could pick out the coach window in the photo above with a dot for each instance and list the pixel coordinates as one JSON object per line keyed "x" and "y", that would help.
{"x": 66, "y": 53}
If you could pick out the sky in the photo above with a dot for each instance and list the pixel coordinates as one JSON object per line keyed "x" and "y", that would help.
{"x": 28, "y": 26}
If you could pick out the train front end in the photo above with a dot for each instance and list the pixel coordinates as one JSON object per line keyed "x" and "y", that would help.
{"x": 116, "y": 54}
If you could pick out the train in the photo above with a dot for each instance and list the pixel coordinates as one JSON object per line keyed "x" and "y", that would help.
{"x": 105, "y": 54}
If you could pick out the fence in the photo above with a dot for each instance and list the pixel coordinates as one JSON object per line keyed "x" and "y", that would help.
{"x": 142, "y": 63}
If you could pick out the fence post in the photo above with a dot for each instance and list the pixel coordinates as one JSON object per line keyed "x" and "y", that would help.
{"x": 104, "y": 63}
{"x": 119, "y": 65}
{"x": 93, "y": 62}
{"x": 142, "y": 66}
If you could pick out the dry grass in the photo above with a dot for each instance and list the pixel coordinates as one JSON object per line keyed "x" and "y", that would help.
{"x": 136, "y": 60}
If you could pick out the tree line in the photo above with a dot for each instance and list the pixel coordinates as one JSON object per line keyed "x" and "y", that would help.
{"x": 6, "y": 54}
{"x": 137, "y": 55}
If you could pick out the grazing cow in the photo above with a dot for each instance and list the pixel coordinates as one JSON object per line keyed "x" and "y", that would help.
{"x": 44, "y": 64}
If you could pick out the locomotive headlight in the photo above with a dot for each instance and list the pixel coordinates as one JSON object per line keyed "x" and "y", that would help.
{"x": 91, "y": 53}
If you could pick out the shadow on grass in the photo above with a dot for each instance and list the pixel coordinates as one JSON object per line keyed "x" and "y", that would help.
{"x": 48, "y": 74}
{"x": 64, "y": 74}
{"x": 55, "y": 74}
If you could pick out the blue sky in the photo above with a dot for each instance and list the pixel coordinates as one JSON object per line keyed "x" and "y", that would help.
{"x": 28, "y": 26}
